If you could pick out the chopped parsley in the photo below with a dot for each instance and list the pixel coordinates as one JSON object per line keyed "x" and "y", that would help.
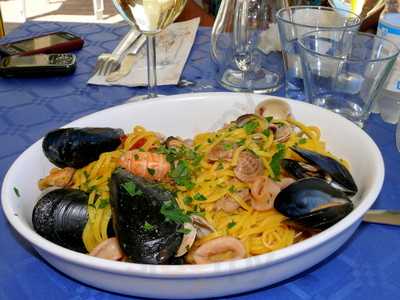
{"x": 187, "y": 200}
{"x": 184, "y": 230}
{"x": 302, "y": 141}
{"x": 220, "y": 166}
{"x": 275, "y": 162}
{"x": 173, "y": 213}
{"x": 181, "y": 174}
{"x": 209, "y": 141}
{"x": 266, "y": 132}
{"x": 199, "y": 197}
{"x": 268, "y": 119}
{"x": 103, "y": 203}
{"x": 250, "y": 127}
{"x": 130, "y": 188}
{"x": 86, "y": 174}
{"x": 232, "y": 189}
{"x": 184, "y": 162}
{"x": 16, "y": 191}
{"x": 228, "y": 146}
{"x": 197, "y": 213}
{"x": 151, "y": 171}
{"x": 241, "y": 142}
{"x": 148, "y": 227}
{"x": 136, "y": 157}
{"x": 231, "y": 224}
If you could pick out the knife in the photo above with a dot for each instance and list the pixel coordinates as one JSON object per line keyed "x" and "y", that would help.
{"x": 389, "y": 217}
{"x": 127, "y": 62}
{"x": 131, "y": 37}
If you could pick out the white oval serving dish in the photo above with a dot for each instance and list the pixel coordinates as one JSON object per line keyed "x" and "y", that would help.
{"x": 186, "y": 115}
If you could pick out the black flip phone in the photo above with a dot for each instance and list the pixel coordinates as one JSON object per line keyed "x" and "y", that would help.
{"x": 39, "y": 65}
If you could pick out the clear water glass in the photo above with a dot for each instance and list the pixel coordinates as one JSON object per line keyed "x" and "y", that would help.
{"x": 345, "y": 70}
{"x": 295, "y": 21}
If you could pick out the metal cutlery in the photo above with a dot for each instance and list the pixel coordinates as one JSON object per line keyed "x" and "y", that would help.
{"x": 389, "y": 217}
{"x": 109, "y": 62}
{"x": 127, "y": 62}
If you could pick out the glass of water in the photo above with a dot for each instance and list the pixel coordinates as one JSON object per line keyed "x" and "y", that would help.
{"x": 345, "y": 70}
{"x": 295, "y": 21}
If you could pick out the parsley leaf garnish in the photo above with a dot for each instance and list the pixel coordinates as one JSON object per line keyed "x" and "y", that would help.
{"x": 130, "y": 188}
{"x": 199, "y": 197}
{"x": 241, "y": 142}
{"x": 268, "y": 119}
{"x": 181, "y": 174}
{"x": 103, "y": 203}
{"x": 231, "y": 224}
{"x": 148, "y": 227}
{"x": 197, "y": 213}
{"x": 228, "y": 146}
{"x": 16, "y": 191}
{"x": 275, "y": 163}
{"x": 187, "y": 200}
{"x": 250, "y": 127}
{"x": 151, "y": 171}
{"x": 232, "y": 189}
{"x": 173, "y": 213}
{"x": 302, "y": 141}
{"x": 266, "y": 132}
{"x": 184, "y": 230}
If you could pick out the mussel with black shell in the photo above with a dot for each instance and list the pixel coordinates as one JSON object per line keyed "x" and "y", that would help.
{"x": 143, "y": 232}
{"x": 320, "y": 166}
{"x": 60, "y": 216}
{"x": 77, "y": 147}
{"x": 312, "y": 203}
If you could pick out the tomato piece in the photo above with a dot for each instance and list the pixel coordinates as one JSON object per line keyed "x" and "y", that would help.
{"x": 139, "y": 143}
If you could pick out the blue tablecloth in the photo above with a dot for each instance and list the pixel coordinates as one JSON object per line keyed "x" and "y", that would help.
{"x": 367, "y": 267}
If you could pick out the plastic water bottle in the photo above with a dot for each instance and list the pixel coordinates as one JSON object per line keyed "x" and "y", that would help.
{"x": 388, "y": 102}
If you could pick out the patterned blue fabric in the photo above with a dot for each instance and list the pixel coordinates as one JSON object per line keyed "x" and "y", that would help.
{"x": 367, "y": 267}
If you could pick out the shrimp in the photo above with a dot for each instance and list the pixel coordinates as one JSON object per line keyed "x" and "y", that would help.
{"x": 57, "y": 177}
{"x": 148, "y": 165}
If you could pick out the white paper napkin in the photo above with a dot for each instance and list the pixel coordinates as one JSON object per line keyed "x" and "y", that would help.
{"x": 173, "y": 47}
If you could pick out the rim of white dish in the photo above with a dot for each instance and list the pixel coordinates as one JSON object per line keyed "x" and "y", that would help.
{"x": 207, "y": 270}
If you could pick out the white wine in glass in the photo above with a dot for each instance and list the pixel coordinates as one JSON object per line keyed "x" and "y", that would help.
{"x": 150, "y": 17}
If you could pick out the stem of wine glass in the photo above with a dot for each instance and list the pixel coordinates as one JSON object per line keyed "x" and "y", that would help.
{"x": 151, "y": 66}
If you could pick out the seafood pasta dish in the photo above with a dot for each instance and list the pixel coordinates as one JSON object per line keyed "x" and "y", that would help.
{"x": 260, "y": 183}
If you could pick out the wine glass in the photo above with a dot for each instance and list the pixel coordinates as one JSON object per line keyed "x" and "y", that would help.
{"x": 150, "y": 17}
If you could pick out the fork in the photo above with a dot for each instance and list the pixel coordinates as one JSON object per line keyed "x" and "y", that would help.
{"x": 109, "y": 62}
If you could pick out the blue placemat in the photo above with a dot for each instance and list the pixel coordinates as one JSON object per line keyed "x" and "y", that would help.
{"x": 367, "y": 267}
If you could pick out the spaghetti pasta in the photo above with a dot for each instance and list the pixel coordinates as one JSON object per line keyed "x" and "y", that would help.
{"x": 210, "y": 180}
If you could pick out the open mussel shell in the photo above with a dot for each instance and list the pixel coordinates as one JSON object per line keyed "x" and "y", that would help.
{"x": 60, "y": 216}
{"x": 313, "y": 203}
{"x": 331, "y": 170}
{"x": 143, "y": 233}
{"x": 77, "y": 147}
